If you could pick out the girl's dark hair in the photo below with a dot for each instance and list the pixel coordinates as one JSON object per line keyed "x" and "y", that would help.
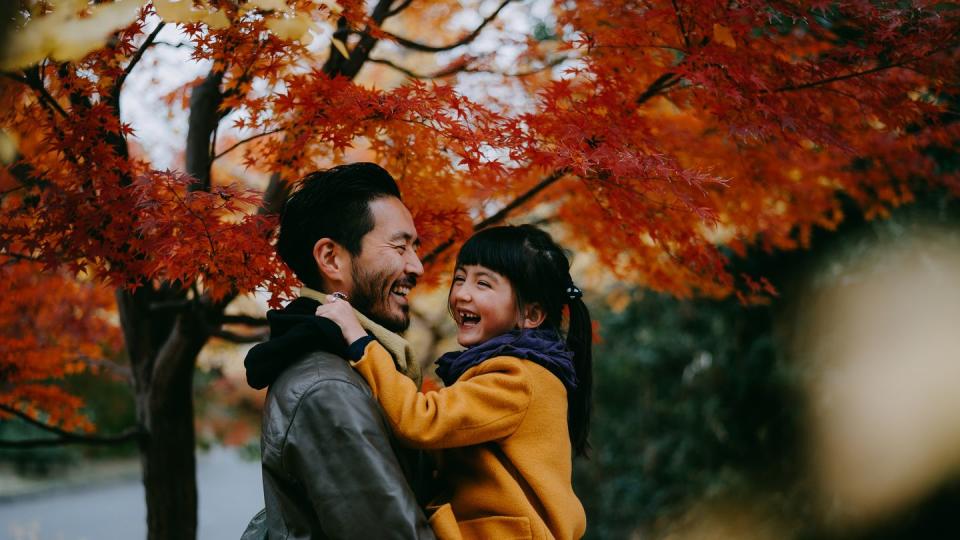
{"x": 539, "y": 271}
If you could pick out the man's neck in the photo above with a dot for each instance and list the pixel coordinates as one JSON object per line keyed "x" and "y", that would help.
{"x": 398, "y": 347}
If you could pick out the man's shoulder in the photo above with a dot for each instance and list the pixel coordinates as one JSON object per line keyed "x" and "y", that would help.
{"x": 321, "y": 383}
{"x": 318, "y": 370}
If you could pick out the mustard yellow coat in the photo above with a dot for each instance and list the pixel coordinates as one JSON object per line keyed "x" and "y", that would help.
{"x": 507, "y": 454}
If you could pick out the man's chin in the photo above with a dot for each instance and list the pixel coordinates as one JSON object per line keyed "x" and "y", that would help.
{"x": 395, "y": 322}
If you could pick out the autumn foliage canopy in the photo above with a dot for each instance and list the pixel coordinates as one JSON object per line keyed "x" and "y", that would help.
{"x": 662, "y": 135}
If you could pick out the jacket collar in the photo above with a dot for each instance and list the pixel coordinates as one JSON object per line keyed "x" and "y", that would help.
{"x": 398, "y": 347}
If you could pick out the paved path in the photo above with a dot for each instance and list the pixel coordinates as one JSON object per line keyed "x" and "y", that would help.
{"x": 229, "y": 489}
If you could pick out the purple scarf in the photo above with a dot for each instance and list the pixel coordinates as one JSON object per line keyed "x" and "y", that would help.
{"x": 542, "y": 346}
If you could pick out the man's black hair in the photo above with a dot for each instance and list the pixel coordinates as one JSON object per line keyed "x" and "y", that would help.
{"x": 334, "y": 204}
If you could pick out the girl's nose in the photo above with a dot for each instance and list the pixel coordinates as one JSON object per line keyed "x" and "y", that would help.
{"x": 461, "y": 293}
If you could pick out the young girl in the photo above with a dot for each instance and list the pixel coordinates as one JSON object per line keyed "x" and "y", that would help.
{"x": 516, "y": 405}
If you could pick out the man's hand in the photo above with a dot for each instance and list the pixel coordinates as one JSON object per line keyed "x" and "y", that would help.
{"x": 341, "y": 312}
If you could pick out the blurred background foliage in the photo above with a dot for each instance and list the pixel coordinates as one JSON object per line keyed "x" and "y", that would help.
{"x": 108, "y": 403}
{"x": 700, "y": 408}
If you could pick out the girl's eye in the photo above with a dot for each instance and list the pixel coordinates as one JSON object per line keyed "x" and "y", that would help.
{"x": 483, "y": 284}
{"x": 458, "y": 279}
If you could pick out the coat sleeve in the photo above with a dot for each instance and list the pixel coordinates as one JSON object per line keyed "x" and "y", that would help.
{"x": 338, "y": 449}
{"x": 486, "y": 404}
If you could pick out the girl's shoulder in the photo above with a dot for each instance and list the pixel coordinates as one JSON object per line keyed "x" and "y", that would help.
{"x": 507, "y": 365}
{"x": 502, "y": 363}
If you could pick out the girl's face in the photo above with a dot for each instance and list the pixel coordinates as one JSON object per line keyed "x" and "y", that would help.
{"x": 483, "y": 304}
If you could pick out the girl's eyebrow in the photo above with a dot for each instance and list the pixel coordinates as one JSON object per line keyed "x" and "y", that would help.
{"x": 489, "y": 274}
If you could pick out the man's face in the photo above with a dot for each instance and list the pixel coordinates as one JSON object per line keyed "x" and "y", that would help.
{"x": 387, "y": 267}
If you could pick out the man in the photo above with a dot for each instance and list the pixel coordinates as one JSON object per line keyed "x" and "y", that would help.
{"x": 330, "y": 465}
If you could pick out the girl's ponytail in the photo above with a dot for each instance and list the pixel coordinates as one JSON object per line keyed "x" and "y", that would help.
{"x": 580, "y": 402}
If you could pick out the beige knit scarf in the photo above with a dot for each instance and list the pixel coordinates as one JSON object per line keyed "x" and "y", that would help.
{"x": 398, "y": 347}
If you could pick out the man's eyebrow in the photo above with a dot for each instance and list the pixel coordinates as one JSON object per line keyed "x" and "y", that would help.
{"x": 405, "y": 237}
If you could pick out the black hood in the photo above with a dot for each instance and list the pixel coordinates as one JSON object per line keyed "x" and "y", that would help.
{"x": 294, "y": 332}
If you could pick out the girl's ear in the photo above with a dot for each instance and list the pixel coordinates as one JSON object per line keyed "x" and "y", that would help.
{"x": 533, "y": 316}
{"x": 331, "y": 260}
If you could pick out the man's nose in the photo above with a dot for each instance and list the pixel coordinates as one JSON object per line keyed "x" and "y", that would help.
{"x": 414, "y": 266}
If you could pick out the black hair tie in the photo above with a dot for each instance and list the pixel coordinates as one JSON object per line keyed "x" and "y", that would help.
{"x": 574, "y": 292}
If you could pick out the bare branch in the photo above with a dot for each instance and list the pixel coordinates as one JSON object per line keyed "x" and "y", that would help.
{"x": 136, "y": 58}
{"x": 14, "y": 77}
{"x": 171, "y": 305}
{"x": 949, "y": 43}
{"x": 406, "y": 71}
{"x": 246, "y": 320}
{"x": 522, "y": 199}
{"x": 853, "y": 75}
{"x": 662, "y": 83}
{"x": 245, "y": 141}
{"x": 20, "y": 256}
{"x": 403, "y": 5}
{"x": 64, "y": 437}
{"x": 172, "y": 45}
{"x": 465, "y": 40}
{"x": 683, "y": 29}
{"x": 234, "y": 337}
{"x": 37, "y": 85}
{"x": 464, "y": 68}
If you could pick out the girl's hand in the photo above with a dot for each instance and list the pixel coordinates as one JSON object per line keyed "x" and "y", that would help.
{"x": 341, "y": 312}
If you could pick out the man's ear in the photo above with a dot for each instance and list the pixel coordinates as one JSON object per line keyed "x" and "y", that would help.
{"x": 533, "y": 316}
{"x": 333, "y": 261}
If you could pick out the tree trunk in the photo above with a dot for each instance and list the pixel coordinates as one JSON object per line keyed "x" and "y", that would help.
{"x": 163, "y": 344}
{"x": 168, "y": 460}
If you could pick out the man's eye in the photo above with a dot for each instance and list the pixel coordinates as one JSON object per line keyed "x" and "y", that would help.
{"x": 400, "y": 248}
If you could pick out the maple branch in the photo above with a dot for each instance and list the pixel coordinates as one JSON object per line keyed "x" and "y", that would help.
{"x": 37, "y": 85}
{"x": 465, "y": 40}
{"x": 245, "y": 141}
{"x": 171, "y": 45}
{"x": 64, "y": 437}
{"x": 855, "y": 74}
{"x": 465, "y": 69}
{"x": 170, "y": 305}
{"x": 11, "y": 190}
{"x": 522, "y": 199}
{"x": 408, "y": 72}
{"x": 136, "y": 58}
{"x": 683, "y": 29}
{"x": 203, "y": 224}
{"x": 13, "y": 77}
{"x": 348, "y": 66}
{"x": 234, "y": 337}
{"x": 662, "y": 83}
{"x": 20, "y": 256}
